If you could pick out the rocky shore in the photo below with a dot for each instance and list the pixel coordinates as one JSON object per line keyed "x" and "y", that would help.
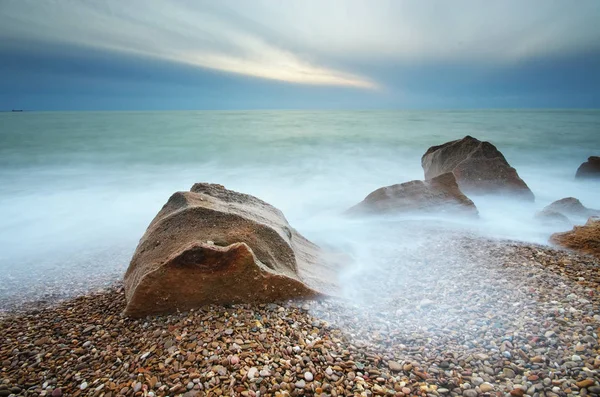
{"x": 492, "y": 318}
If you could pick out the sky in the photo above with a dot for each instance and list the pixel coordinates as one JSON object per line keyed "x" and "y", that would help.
{"x": 298, "y": 54}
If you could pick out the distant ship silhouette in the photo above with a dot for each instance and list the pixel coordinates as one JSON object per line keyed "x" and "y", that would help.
{"x": 17, "y": 110}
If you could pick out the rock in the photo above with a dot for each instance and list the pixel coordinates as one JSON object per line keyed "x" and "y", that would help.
{"x": 572, "y": 207}
{"x": 585, "y": 383}
{"x": 590, "y": 169}
{"x": 517, "y": 392}
{"x": 478, "y": 166}
{"x": 439, "y": 194}
{"x": 57, "y": 392}
{"x": 553, "y": 218}
{"x": 560, "y": 211}
{"x": 252, "y": 373}
{"x": 308, "y": 376}
{"x": 486, "y": 387}
{"x": 470, "y": 393}
{"x": 213, "y": 245}
{"x": 394, "y": 366}
{"x": 508, "y": 373}
{"x": 301, "y": 384}
{"x": 42, "y": 341}
{"x": 582, "y": 238}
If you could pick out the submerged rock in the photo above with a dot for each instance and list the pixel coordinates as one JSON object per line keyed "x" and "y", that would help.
{"x": 213, "y": 245}
{"x": 478, "y": 166}
{"x": 440, "y": 194}
{"x": 584, "y": 238}
{"x": 553, "y": 218}
{"x": 590, "y": 169}
{"x": 570, "y": 207}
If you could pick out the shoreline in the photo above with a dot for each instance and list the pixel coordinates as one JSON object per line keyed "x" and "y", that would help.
{"x": 427, "y": 339}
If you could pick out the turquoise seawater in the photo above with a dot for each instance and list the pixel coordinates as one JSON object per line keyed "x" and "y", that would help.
{"x": 77, "y": 190}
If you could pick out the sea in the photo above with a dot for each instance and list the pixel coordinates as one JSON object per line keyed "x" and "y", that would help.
{"x": 78, "y": 189}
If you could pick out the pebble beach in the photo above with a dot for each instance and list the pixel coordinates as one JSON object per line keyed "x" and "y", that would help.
{"x": 499, "y": 318}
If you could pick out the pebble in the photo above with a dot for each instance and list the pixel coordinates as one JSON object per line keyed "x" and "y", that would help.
{"x": 486, "y": 387}
{"x": 470, "y": 393}
{"x": 498, "y": 322}
{"x": 585, "y": 383}
{"x": 252, "y": 372}
{"x": 137, "y": 386}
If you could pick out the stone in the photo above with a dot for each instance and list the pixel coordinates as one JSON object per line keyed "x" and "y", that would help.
{"x": 584, "y": 238}
{"x": 571, "y": 207}
{"x": 518, "y": 392}
{"x": 508, "y": 373}
{"x": 440, "y": 194}
{"x": 589, "y": 169}
{"x": 308, "y": 376}
{"x": 57, "y": 392}
{"x": 301, "y": 384}
{"x": 470, "y": 393}
{"x": 585, "y": 383}
{"x": 252, "y": 373}
{"x": 213, "y": 245}
{"x": 479, "y": 168}
{"x": 486, "y": 387}
{"x": 137, "y": 387}
{"x": 394, "y": 366}
{"x": 553, "y": 218}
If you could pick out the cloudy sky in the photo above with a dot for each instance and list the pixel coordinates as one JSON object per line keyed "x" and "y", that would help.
{"x": 194, "y": 54}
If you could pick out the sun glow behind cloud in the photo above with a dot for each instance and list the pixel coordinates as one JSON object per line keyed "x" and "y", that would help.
{"x": 173, "y": 31}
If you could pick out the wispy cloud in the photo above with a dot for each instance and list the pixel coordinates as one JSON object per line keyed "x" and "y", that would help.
{"x": 365, "y": 52}
{"x": 184, "y": 32}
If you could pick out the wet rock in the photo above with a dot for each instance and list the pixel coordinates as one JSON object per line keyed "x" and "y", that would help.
{"x": 589, "y": 169}
{"x": 571, "y": 207}
{"x": 439, "y": 194}
{"x": 213, "y": 245}
{"x": 585, "y": 238}
{"x": 478, "y": 166}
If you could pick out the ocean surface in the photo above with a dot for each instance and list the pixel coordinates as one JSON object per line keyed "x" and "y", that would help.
{"x": 77, "y": 190}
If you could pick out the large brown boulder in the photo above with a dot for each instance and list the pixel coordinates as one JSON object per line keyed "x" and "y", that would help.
{"x": 584, "y": 238}
{"x": 213, "y": 245}
{"x": 590, "y": 169}
{"x": 478, "y": 166}
{"x": 440, "y": 194}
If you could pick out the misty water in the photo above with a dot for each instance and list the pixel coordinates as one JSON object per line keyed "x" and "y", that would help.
{"x": 77, "y": 190}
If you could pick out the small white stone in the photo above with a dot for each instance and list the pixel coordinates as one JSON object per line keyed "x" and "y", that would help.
{"x": 308, "y": 376}
{"x": 252, "y": 372}
{"x": 83, "y": 386}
